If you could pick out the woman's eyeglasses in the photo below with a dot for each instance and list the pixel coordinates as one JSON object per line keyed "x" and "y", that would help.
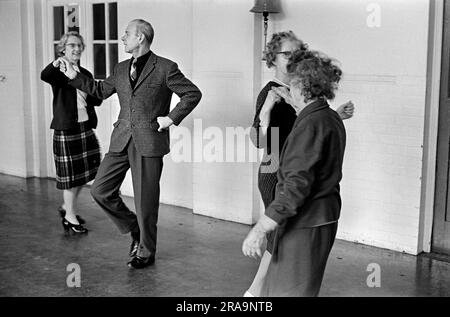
{"x": 287, "y": 54}
{"x": 73, "y": 45}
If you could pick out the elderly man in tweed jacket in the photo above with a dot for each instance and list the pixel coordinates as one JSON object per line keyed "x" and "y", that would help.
{"x": 140, "y": 139}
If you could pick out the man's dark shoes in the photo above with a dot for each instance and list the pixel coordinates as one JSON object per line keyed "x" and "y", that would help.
{"x": 62, "y": 213}
{"x": 134, "y": 244}
{"x": 140, "y": 262}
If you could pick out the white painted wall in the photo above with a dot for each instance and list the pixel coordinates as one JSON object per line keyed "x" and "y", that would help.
{"x": 385, "y": 76}
{"x": 172, "y": 22}
{"x": 13, "y": 144}
{"x": 223, "y": 67}
{"x": 201, "y": 39}
{"x": 213, "y": 43}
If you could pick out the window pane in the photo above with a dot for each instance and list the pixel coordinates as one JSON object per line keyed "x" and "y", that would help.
{"x": 58, "y": 22}
{"x": 113, "y": 21}
{"x": 98, "y": 10}
{"x": 73, "y": 18}
{"x": 113, "y": 57}
{"x": 99, "y": 61}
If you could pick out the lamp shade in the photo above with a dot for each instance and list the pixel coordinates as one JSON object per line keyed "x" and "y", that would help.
{"x": 269, "y": 6}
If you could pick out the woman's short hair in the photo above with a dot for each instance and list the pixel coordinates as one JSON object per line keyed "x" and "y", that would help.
{"x": 145, "y": 28}
{"x": 317, "y": 75}
{"x": 274, "y": 45}
{"x": 61, "y": 46}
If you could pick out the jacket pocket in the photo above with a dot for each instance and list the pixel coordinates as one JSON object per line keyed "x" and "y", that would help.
{"x": 152, "y": 85}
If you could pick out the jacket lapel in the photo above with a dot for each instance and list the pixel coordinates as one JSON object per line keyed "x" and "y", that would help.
{"x": 148, "y": 68}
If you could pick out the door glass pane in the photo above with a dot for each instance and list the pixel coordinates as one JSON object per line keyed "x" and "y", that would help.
{"x": 58, "y": 22}
{"x": 99, "y": 61}
{"x": 98, "y": 10}
{"x": 113, "y": 57}
{"x": 73, "y": 18}
{"x": 113, "y": 21}
{"x": 55, "y": 52}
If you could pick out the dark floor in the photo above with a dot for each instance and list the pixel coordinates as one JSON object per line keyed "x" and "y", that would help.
{"x": 197, "y": 256}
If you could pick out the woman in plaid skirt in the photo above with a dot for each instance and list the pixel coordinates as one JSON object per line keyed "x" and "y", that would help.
{"x": 75, "y": 147}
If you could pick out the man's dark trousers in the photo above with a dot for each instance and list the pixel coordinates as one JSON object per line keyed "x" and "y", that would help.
{"x": 146, "y": 174}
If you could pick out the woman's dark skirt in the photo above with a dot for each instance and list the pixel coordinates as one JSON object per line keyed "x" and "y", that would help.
{"x": 267, "y": 181}
{"x": 77, "y": 156}
{"x": 298, "y": 267}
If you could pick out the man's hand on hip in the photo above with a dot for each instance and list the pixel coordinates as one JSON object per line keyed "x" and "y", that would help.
{"x": 164, "y": 123}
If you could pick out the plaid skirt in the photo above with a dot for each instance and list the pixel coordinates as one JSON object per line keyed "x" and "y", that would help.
{"x": 77, "y": 156}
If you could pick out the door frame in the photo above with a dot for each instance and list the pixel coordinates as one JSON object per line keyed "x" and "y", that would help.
{"x": 441, "y": 227}
{"x": 427, "y": 201}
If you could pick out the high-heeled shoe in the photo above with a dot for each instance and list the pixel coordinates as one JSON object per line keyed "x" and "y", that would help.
{"x": 248, "y": 294}
{"x": 62, "y": 213}
{"x": 67, "y": 225}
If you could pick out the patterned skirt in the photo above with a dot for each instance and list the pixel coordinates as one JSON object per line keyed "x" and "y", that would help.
{"x": 77, "y": 156}
{"x": 267, "y": 183}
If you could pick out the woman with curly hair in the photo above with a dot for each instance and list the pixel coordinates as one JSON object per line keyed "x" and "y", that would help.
{"x": 75, "y": 147}
{"x": 273, "y": 121}
{"x": 307, "y": 201}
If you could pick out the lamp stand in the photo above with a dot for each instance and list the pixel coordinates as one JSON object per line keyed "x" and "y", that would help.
{"x": 266, "y": 19}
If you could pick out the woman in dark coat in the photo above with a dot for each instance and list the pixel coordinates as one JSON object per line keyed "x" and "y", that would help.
{"x": 273, "y": 122}
{"x": 75, "y": 146}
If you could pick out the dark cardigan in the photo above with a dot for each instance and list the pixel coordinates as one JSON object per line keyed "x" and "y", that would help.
{"x": 282, "y": 117}
{"x": 65, "y": 112}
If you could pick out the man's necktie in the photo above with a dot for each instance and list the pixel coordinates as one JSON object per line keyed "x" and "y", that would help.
{"x": 133, "y": 73}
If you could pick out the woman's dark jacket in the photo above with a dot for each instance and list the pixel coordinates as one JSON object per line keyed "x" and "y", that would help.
{"x": 65, "y": 112}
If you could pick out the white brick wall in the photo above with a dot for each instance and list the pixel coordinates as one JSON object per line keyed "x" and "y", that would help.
{"x": 223, "y": 68}
{"x": 382, "y": 167}
{"x": 385, "y": 76}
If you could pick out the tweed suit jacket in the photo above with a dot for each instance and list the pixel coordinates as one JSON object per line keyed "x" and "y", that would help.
{"x": 307, "y": 193}
{"x": 140, "y": 106}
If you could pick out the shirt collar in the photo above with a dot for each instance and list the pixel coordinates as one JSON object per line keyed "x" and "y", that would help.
{"x": 141, "y": 60}
{"x": 280, "y": 82}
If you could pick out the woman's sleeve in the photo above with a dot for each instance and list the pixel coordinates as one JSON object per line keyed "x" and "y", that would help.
{"x": 259, "y": 139}
{"x": 301, "y": 156}
{"x": 53, "y": 76}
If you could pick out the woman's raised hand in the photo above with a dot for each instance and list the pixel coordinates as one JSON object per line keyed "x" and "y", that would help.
{"x": 271, "y": 99}
{"x": 264, "y": 115}
{"x": 66, "y": 68}
{"x": 56, "y": 63}
{"x": 346, "y": 110}
{"x": 284, "y": 93}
